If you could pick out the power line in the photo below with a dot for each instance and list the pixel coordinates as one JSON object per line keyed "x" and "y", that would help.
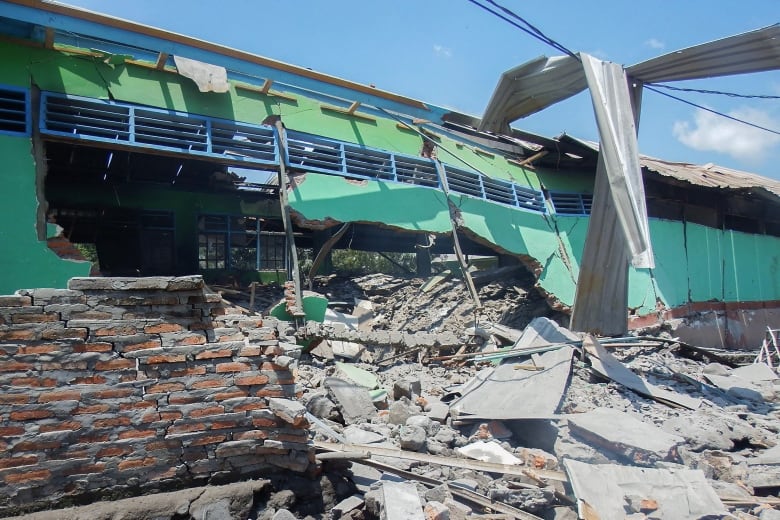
{"x": 539, "y": 35}
{"x": 711, "y": 110}
{"x": 529, "y": 29}
{"x": 718, "y": 92}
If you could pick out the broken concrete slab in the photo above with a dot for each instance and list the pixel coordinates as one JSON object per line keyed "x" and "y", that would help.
{"x": 606, "y": 365}
{"x": 770, "y": 457}
{"x": 354, "y": 434}
{"x": 602, "y": 489}
{"x": 346, "y": 349}
{"x": 505, "y": 392}
{"x": 401, "y": 502}
{"x": 622, "y": 434}
{"x": 353, "y": 400}
{"x": 346, "y": 505}
{"x": 291, "y": 412}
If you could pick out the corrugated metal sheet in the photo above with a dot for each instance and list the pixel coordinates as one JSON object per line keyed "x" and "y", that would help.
{"x": 542, "y": 82}
{"x": 710, "y": 175}
{"x": 706, "y": 175}
{"x": 531, "y": 87}
{"x": 753, "y": 51}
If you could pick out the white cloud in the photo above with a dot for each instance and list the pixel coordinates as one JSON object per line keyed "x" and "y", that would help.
{"x": 654, "y": 43}
{"x": 441, "y": 50}
{"x": 712, "y": 132}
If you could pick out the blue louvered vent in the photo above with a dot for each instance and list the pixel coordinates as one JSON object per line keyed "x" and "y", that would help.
{"x": 571, "y": 203}
{"x": 499, "y": 190}
{"x": 14, "y": 111}
{"x": 415, "y": 170}
{"x": 530, "y": 198}
{"x": 108, "y": 121}
{"x": 372, "y": 164}
{"x": 463, "y": 181}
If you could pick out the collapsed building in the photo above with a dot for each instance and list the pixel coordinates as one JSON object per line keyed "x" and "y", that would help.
{"x": 164, "y": 153}
{"x": 167, "y": 156}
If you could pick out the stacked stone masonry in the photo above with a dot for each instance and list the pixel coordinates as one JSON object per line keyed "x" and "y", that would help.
{"x": 137, "y": 384}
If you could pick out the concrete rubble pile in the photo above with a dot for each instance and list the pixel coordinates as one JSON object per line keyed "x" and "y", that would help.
{"x": 540, "y": 422}
{"x": 518, "y": 417}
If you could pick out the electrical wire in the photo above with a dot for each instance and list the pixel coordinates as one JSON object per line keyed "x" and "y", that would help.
{"x": 539, "y": 35}
{"x": 653, "y": 89}
{"x": 718, "y": 92}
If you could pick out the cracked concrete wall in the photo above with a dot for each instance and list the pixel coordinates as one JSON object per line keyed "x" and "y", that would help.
{"x": 135, "y": 384}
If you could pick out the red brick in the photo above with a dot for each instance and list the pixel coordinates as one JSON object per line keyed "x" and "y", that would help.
{"x": 232, "y": 367}
{"x": 38, "y": 349}
{"x": 191, "y": 340}
{"x": 114, "y": 421}
{"x": 274, "y": 350}
{"x": 17, "y": 335}
{"x": 144, "y": 345}
{"x": 165, "y": 445}
{"x": 15, "y": 462}
{"x": 180, "y": 358}
{"x": 115, "y": 364}
{"x": 182, "y": 399}
{"x": 17, "y": 478}
{"x": 26, "y": 415}
{"x": 113, "y": 451}
{"x": 188, "y": 428}
{"x": 213, "y": 354}
{"x": 89, "y": 380}
{"x": 249, "y": 406}
{"x": 117, "y": 330}
{"x": 14, "y": 398}
{"x": 15, "y": 366}
{"x": 211, "y": 410}
{"x": 137, "y": 463}
{"x": 252, "y": 435}
{"x": 35, "y": 318}
{"x": 266, "y": 392}
{"x": 193, "y": 371}
{"x": 91, "y": 409}
{"x": 65, "y": 425}
{"x": 7, "y": 431}
{"x": 163, "y": 327}
{"x": 208, "y": 383}
{"x": 59, "y": 396}
{"x": 165, "y": 387}
{"x": 13, "y": 300}
{"x": 34, "y": 381}
{"x": 37, "y": 445}
{"x": 136, "y": 434}
{"x": 97, "y": 346}
{"x": 115, "y": 393}
{"x": 252, "y": 380}
{"x": 136, "y": 406}
{"x": 161, "y": 416}
{"x": 220, "y": 425}
{"x": 93, "y": 437}
{"x": 209, "y": 439}
{"x": 250, "y": 351}
{"x": 229, "y": 395}
{"x": 263, "y": 423}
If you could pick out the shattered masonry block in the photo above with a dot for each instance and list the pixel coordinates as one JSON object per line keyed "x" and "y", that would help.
{"x": 53, "y": 296}
{"x": 15, "y": 301}
{"x": 289, "y": 411}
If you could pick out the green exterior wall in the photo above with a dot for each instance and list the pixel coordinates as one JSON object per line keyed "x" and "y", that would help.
{"x": 694, "y": 263}
{"x": 25, "y": 261}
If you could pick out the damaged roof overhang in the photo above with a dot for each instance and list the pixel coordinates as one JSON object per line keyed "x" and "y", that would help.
{"x": 543, "y": 81}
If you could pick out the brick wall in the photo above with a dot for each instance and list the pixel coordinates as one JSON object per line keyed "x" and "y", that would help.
{"x": 125, "y": 385}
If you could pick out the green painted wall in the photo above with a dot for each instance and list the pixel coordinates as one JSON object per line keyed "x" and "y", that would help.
{"x": 25, "y": 262}
{"x": 693, "y": 262}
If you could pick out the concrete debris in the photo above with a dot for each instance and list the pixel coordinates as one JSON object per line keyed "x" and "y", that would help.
{"x": 411, "y": 419}
{"x": 632, "y": 440}
{"x": 612, "y": 492}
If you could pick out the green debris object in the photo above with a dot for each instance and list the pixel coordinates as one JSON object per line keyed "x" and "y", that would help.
{"x": 314, "y": 306}
{"x": 358, "y": 375}
{"x": 378, "y": 395}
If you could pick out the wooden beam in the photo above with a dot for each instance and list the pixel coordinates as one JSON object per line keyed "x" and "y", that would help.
{"x": 161, "y": 59}
{"x": 354, "y": 106}
{"x": 48, "y": 41}
{"x": 264, "y": 89}
{"x": 351, "y": 111}
{"x": 528, "y": 160}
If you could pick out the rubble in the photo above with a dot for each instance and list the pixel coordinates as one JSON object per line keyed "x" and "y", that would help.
{"x": 446, "y": 415}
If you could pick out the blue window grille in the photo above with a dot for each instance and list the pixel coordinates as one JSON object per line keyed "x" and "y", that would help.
{"x": 571, "y": 203}
{"x": 14, "y": 111}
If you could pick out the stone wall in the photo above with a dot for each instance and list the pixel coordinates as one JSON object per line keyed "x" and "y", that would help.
{"x": 127, "y": 385}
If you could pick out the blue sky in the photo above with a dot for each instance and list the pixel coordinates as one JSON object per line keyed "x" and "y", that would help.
{"x": 451, "y": 53}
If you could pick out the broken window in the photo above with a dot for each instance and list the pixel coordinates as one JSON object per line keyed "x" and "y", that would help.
{"x": 238, "y": 242}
